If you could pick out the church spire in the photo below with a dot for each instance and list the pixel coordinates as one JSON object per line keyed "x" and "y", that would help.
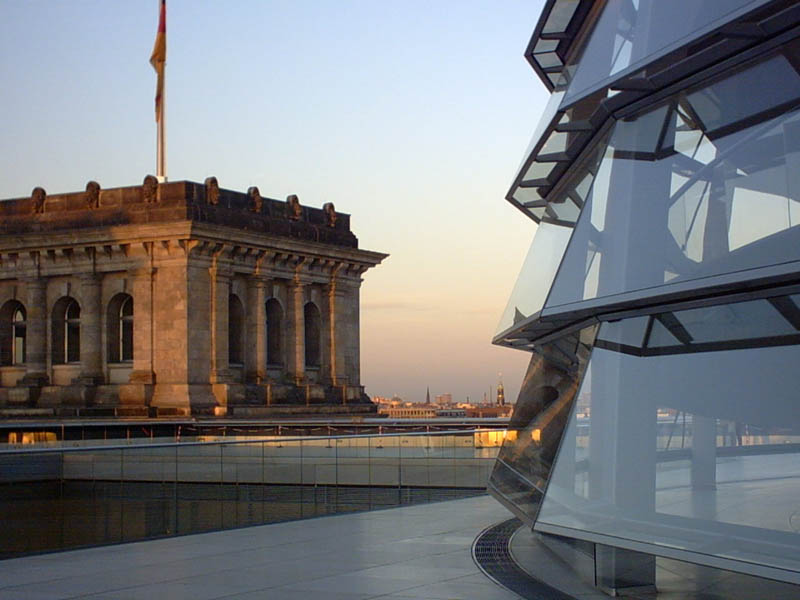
{"x": 428, "y": 395}
{"x": 501, "y": 396}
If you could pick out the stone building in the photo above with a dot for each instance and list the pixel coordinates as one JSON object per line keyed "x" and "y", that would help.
{"x": 178, "y": 299}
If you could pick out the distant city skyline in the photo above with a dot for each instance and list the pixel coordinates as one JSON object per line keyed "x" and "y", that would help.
{"x": 405, "y": 116}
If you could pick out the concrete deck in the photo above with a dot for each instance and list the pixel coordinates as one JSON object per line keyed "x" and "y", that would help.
{"x": 420, "y": 551}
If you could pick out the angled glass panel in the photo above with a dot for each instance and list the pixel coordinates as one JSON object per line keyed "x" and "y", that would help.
{"x": 545, "y": 46}
{"x": 672, "y": 202}
{"x": 560, "y": 16}
{"x": 722, "y": 104}
{"x": 740, "y": 321}
{"x": 565, "y": 206}
{"x": 538, "y": 170}
{"x": 536, "y": 275}
{"x": 696, "y": 451}
{"x": 661, "y": 335}
{"x": 631, "y": 33}
{"x": 523, "y": 195}
{"x": 766, "y": 322}
{"x": 547, "y": 119}
{"x": 565, "y": 210}
{"x": 546, "y": 397}
{"x": 556, "y": 142}
{"x": 548, "y": 59}
{"x": 627, "y": 332}
{"x": 640, "y": 136}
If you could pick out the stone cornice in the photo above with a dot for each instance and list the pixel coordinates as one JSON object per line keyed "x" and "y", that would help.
{"x": 232, "y": 250}
{"x": 192, "y": 237}
{"x": 169, "y": 203}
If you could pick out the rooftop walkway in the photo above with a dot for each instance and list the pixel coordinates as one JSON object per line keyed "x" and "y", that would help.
{"x": 421, "y": 551}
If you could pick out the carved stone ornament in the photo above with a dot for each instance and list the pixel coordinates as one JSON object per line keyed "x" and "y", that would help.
{"x": 38, "y": 196}
{"x": 150, "y": 189}
{"x": 293, "y": 209}
{"x": 330, "y": 214}
{"x": 93, "y": 195}
{"x": 212, "y": 190}
{"x": 255, "y": 199}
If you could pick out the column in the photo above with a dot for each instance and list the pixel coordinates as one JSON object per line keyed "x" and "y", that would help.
{"x": 704, "y": 453}
{"x": 256, "y": 331}
{"x": 142, "y": 292}
{"x": 622, "y": 478}
{"x": 220, "y": 293}
{"x": 91, "y": 351}
{"x": 296, "y": 332}
{"x": 36, "y": 333}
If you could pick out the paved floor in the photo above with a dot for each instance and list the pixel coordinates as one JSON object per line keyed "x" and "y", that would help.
{"x": 420, "y": 551}
{"x": 675, "y": 580}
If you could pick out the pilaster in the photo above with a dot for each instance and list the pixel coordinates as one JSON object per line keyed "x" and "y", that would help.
{"x": 220, "y": 293}
{"x": 91, "y": 352}
{"x": 352, "y": 331}
{"x": 142, "y": 325}
{"x": 36, "y": 333}
{"x": 335, "y": 336}
{"x": 296, "y": 331}
{"x": 256, "y": 331}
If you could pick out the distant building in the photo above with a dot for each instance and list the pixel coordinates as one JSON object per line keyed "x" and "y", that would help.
{"x": 451, "y": 413}
{"x": 178, "y": 299}
{"x": 410, "y": 410}
{"x": 487, "y": 411}
{"x": 444, "y": 399}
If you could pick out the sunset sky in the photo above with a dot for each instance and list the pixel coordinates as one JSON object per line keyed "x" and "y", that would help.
{"x": 411, "y": 116}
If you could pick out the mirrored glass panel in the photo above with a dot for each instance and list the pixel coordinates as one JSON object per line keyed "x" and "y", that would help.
{"x": 631, "y": 32}
{"x": 702, "y": 185}
{"x": 522, "y": 469}
{"x": 696, "y": 449}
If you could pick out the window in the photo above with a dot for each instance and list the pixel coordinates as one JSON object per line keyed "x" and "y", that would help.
{"x": 235, "y": 330}
{"x": 313, "y": 331}
{"x": 12, "y": 333}
{"x": 119, "y": 320}
{"x": 66, "y": 331}
{"x": 274, "y": 332}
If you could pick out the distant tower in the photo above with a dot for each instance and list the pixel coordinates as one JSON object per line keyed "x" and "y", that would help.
{"x": 501, "y": 396}
{"x": 428, "y": 395}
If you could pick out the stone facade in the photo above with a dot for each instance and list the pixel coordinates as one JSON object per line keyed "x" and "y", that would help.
{"x": 178, "y": 299}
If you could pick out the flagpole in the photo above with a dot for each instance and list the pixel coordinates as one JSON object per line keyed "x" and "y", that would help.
{"x": 158, "y": 59}
{"x": 161, "y": 154}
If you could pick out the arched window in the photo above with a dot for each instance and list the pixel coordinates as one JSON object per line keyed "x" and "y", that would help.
{"x": 66, "y": 329}
{"x": 119, "y": 323}
{"x": 313, "y": 327}
{"x": 235, "y": 331}
{"x": 274, "y": 332}
{"x": 12, "y": 333}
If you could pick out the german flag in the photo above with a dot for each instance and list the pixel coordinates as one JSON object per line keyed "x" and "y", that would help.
{"x": 159, "y": 57}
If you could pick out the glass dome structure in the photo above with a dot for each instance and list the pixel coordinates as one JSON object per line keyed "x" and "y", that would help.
{"x": 660, "y": 300}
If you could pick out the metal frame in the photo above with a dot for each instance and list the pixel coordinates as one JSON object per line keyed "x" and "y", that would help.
{"x": 732, "y": 40}
{"x": 553, "y": 321}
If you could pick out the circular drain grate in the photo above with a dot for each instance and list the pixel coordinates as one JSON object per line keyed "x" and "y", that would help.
{"x": 492, "y": 555}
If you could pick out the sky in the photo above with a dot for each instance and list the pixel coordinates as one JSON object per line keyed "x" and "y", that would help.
{"x": 411, "y": 116}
